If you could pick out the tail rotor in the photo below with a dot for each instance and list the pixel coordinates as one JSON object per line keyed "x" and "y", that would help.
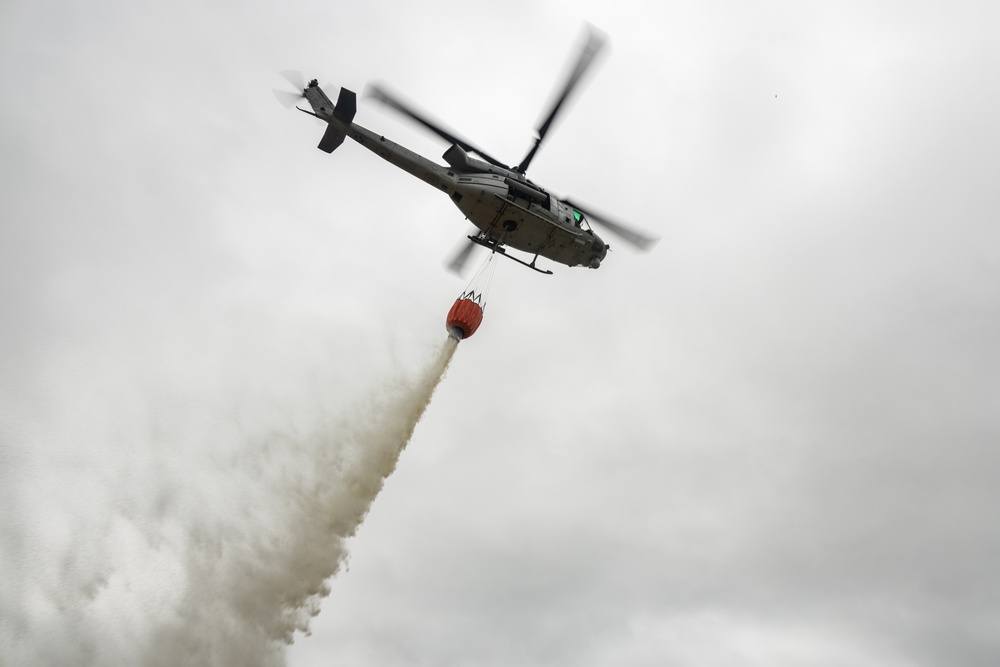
{"x": 288, "y": 98}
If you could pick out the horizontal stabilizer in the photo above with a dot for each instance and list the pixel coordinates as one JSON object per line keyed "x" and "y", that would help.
{"x": 332, "y": 138}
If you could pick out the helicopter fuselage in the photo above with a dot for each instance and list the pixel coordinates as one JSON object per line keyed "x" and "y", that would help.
{"x": 507, "y": 208}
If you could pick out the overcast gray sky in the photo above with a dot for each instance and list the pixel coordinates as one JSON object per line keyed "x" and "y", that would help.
{"x": 771, "y": 441}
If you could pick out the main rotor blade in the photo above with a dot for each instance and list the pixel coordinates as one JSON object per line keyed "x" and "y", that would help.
{"x": 434, "y": 126}
{"x": 595, "y": 42}
{"x": 628, "y": 234}
{"x": 461, "y": 256}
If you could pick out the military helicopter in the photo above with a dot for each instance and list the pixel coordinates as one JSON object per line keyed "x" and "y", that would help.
{"x": 507, "y": 208}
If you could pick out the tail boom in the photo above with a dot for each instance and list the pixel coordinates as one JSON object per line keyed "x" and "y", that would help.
{"x": 340, "y": 125}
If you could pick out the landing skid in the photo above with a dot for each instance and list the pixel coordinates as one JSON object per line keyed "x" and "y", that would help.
{"x": 494, "y": 246}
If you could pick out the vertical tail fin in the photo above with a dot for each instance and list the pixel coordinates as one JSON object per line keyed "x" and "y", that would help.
{"x": 347, "y": 106}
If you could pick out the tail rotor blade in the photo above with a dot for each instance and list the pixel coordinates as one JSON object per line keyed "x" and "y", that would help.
{"x": 630, "y": 235}
{"x": 296, "y": 78}
{"x": 287, "y": 98}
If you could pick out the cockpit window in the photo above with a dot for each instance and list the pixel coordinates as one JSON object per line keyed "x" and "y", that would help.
{"x": 577, "y": 216}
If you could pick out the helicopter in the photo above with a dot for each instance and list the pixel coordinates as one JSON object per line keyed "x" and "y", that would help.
{"x": 507, "y": 209}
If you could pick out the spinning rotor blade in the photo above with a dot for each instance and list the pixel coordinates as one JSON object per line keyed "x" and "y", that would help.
{"x": 288, "y": 98}
{"x": 461, "y": 256}
{"x": 381, "y": 95}
{"x": 296, "y": 78}
{"x": 595, "y": 42}
{"x": 628, "y": 234}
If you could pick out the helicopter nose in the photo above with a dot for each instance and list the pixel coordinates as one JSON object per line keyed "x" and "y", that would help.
{"x": 599, "y": 249}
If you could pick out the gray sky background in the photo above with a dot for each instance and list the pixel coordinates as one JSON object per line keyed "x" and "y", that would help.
{"x": 773, "y": 440}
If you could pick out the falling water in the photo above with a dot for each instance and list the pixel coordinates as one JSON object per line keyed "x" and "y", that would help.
{"x": 235, "y": 583}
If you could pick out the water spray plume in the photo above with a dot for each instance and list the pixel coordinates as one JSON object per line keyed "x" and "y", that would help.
{"x": 272, "y": 591}
{"x": 238, "y": 559}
